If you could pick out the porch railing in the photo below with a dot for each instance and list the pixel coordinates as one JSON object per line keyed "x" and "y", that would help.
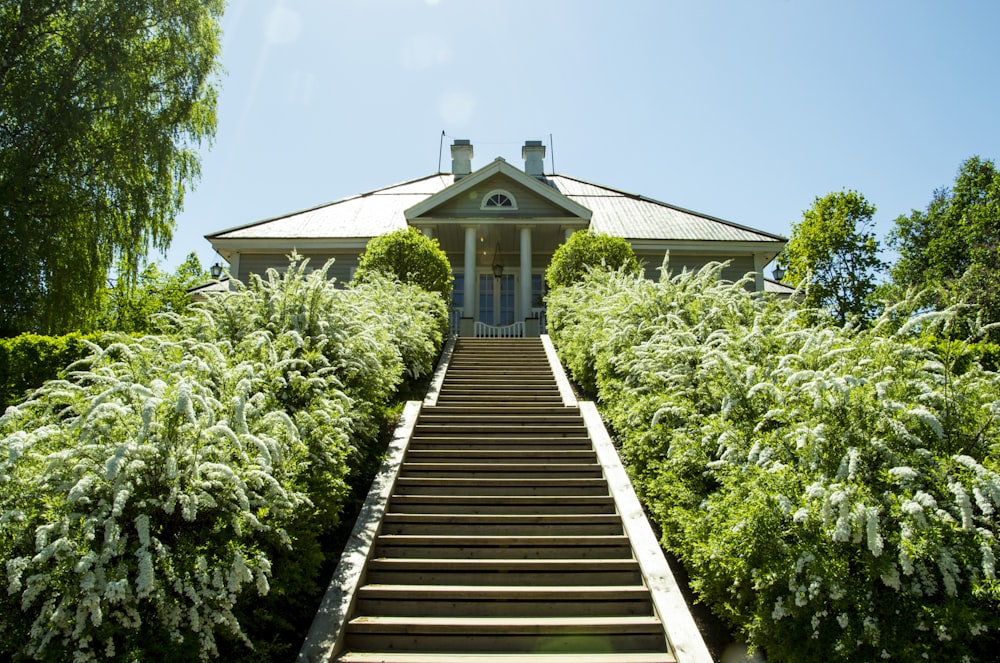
{"x": 483, "y": 330}
{"x": 454, "y": 319}
{"x": 515, "y": 330}
{"x": 539, "y": 312}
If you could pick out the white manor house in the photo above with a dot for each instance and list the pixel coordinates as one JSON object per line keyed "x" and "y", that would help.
{"x": 499, "y": 226}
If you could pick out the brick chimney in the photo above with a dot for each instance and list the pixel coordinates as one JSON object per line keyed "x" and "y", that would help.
{"x": 461, "y": 158}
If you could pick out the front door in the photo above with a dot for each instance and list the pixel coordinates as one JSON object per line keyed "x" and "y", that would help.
{"x": 496, "y": 299}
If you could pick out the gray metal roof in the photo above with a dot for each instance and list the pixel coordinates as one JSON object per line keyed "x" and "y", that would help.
{"x": 614, "y": 212}
{"x": 366, "y": 215}
{"x": 636, "y": 217}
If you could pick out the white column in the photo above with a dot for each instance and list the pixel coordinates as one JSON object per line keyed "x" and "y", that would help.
{"x": 471, "y": 286}
{"x": 525, "y": 271}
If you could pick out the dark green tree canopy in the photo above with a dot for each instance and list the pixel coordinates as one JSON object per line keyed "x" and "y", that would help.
{"x": 952, "y": 248}
{"x": 833, "y": 246}
{"x": 585, "y": 249}
{"x": 411, "y": 257}
{"x": 102, "y": 106}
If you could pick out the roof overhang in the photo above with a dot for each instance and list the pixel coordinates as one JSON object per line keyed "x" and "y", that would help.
{"x": 227, "y": 247}
{"x": 708, "y": 247}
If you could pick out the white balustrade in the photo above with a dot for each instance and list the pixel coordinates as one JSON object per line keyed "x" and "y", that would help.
{"x": 515, "y": 330}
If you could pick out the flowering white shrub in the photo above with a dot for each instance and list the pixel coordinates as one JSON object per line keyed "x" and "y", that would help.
{"x": 143, "y": 498}
{"x": 832, "y": 491}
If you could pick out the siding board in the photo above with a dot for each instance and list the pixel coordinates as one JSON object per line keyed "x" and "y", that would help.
{"x": 259, "y": 263}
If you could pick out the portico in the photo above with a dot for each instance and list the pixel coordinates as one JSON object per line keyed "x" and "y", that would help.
{"x": 501, "y": 225}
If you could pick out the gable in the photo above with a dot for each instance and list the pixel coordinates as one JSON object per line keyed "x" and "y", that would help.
{"x": 464, "y": 199}
{"x": 469, "y": 203}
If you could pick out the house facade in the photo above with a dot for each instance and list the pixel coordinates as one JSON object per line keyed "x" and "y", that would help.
{"x": 499, "y": 226}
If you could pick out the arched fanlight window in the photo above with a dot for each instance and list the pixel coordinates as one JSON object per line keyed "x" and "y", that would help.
{"x": 499, "y": 200}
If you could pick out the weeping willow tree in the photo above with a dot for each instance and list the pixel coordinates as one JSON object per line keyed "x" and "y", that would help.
{"x": 102, "y": 106}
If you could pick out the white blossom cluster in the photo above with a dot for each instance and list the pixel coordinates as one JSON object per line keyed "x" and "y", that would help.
{"x": 141, "y": 494}
{"x": 827, "y": 487}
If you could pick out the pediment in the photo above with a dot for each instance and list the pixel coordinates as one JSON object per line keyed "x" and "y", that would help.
{"x": 498, "y": 192}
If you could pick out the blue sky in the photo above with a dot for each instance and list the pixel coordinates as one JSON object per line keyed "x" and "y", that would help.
{"x": 742, "y": 109}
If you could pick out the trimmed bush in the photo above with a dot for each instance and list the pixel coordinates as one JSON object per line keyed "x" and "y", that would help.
{"x": 409, "y": 256}
{"x": 586, "y": 250}
{"x": 831, "y": 491}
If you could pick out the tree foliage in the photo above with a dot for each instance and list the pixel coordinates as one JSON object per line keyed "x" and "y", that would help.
{"x": 133, "y": 308}
{"x": 409, "y": 256}
{"x": 27, "y": 361}
{"x": 584, "y": 250}
{"x": 834, "y": 248}
{"x": 102, "y": 105}
{"x": 831, "y": 490}
{"x": 952, "y": 248}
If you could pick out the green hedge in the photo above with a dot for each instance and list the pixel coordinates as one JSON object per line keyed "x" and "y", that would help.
{"x": 831, "y": 491}
{"x": 28, "y": 360}
{"x": 172, "y": 498}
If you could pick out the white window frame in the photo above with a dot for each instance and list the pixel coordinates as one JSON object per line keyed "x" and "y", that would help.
{"x": 498, "y": 192}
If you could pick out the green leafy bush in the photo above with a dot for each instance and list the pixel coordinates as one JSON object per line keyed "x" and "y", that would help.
{"x": 409, "y": 256}
{"x": 585, "y": 250}
{"x": 831, "y": 491}
{"x": 28, "y": 360}
{"x": 170, "y": 481}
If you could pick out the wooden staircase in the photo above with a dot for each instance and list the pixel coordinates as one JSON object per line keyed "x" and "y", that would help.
{"x": 500, "y": 539}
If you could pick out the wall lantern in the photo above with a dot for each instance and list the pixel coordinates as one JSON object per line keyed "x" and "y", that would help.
{"x": 216, "y": 270}
{"x": 497, "y": 265}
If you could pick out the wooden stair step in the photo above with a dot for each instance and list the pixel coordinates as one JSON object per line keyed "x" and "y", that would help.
{"x": 511, "y": 504}
{"x": 432, "y": 485}
{"x": 511, "y": 593}
{"x": 529, "y": 634}
{"x": 505, "y": 572}
{"x": 500, "y": 443}
{"x": 608, "y": 546}
{"x": 418, "y": 523}
{"x": 500, "y": 419}
{"x": 506, "y": 455}
{"x": 508, "y": 625}
{"x": 525, "y": 601}
{"x": 501, "y": 470}
{"x": 556, "y": 520}
{"x": 491, "y": 657}
{"x": 493, "y": 431}
{"x": 550, "y": 396}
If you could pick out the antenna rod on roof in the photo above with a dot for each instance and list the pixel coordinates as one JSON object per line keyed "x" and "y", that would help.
{"x": 440, "y": 147}
{"x": 552, "y": 154}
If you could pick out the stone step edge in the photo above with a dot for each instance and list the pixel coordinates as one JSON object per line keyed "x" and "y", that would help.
{"x": 477, "y": 657}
